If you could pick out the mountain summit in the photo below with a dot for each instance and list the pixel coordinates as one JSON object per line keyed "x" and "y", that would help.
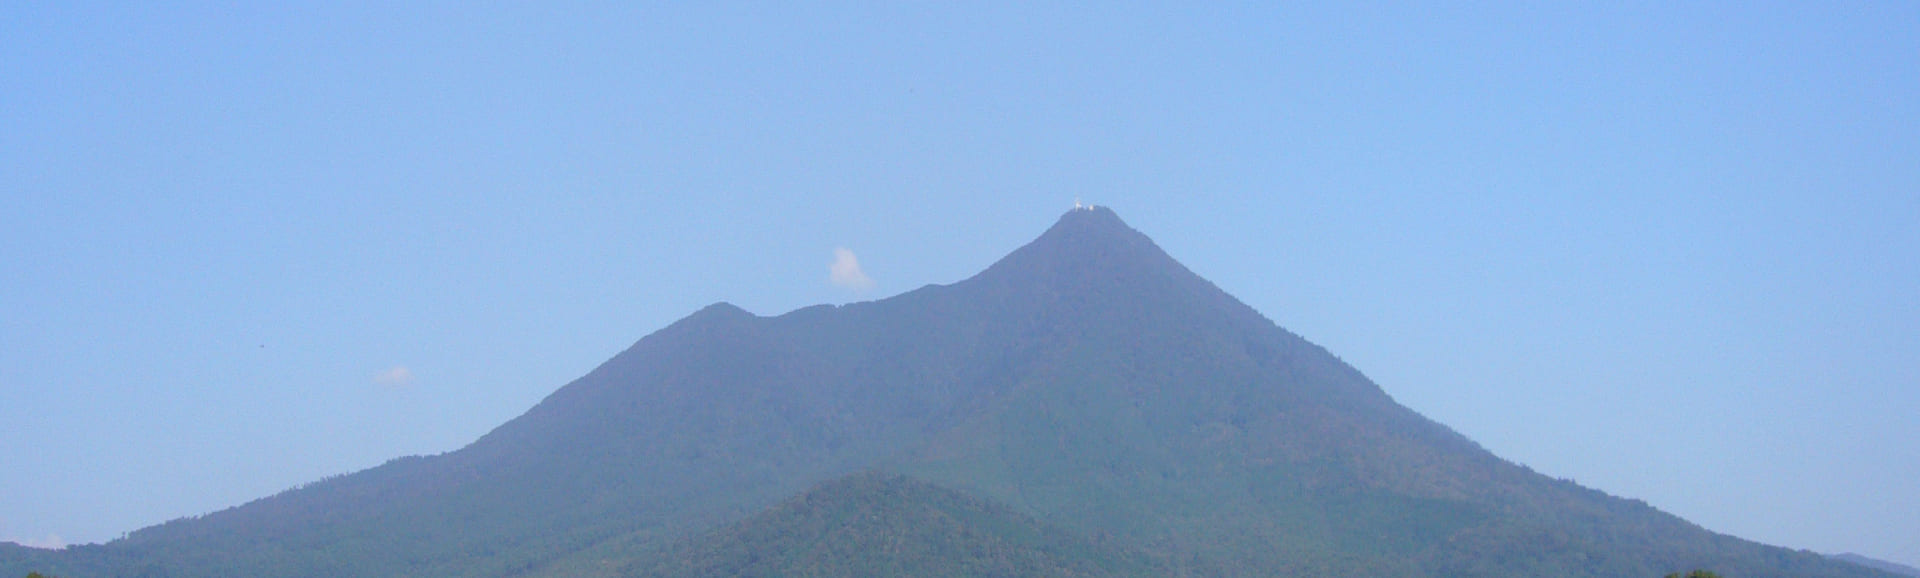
{"x": 1086, "y": 388}
{"x": 1082, "y": 241}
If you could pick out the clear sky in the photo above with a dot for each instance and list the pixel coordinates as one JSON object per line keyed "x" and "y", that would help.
{"x": 1670, "y": 252}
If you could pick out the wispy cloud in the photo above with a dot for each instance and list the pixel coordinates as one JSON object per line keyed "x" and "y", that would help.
{"x": 846, "y": 272}
{"x": 396, "y": 377}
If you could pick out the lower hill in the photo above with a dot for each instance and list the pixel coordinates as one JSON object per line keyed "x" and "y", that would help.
{"x": 875, "y": 524}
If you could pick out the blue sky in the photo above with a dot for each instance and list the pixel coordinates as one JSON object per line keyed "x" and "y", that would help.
{"x": 1670, "y": 252}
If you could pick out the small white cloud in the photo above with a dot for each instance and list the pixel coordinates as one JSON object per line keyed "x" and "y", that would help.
{"x": 846, "y": 272}
{"x": 396, "y": 377}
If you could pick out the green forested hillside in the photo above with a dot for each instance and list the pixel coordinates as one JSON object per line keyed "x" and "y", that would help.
{"x": 879, "y": 525}
{"x": 1086, "y": 385}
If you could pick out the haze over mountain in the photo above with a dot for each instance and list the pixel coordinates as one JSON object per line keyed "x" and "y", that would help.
{"x": 1086, "y": 404}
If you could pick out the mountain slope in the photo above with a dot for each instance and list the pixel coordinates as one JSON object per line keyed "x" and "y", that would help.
{"x": 1087, "y": 380}
{"x": 876, "y": 525}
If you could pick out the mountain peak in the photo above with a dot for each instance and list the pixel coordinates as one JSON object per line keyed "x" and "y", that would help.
{"x": 1092, "y": 213}
{"x": 1092, "y": 220}
{"x": 1087, "y": 240}
{"x": 722, "y": 310}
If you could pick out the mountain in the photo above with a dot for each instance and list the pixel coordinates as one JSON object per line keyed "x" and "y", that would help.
{"x": 1086, "y": 381}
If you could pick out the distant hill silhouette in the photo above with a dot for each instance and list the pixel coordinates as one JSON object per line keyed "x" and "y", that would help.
{"x": 1086, "y": 387}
